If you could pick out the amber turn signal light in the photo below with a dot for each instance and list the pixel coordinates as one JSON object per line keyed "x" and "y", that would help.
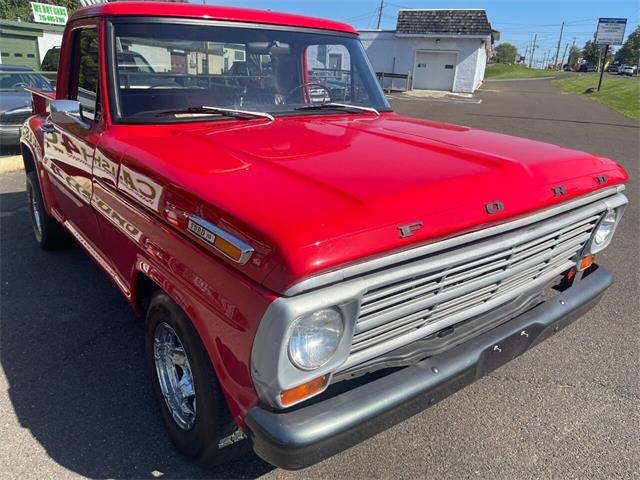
{"x": 586, "y": 262}
{"x": 229, "y": 249}
{"x": 306, "y": 390}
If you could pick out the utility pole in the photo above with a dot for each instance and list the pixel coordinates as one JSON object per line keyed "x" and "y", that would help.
{"x": 380, "y": 13}
{"x": 564, "y": 55}
{"x": 544, "y": 61}
{"x": 533, "y": 49}
{"x": 525, "y": 53}
{"x": 555, "y": 64}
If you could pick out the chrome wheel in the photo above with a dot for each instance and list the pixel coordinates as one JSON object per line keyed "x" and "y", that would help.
{"x": 174, "y": 376}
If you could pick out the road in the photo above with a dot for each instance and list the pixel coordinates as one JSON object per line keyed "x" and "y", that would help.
{"x": 75, "y": 400}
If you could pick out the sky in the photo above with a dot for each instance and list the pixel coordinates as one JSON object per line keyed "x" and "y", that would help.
{"x": 517, "y": 20}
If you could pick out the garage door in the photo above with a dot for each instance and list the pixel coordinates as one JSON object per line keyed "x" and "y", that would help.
{"x": 18, "y": 50}
{"x": 434, "y": 71}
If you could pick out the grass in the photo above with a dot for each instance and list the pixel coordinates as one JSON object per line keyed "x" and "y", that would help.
{"x": 501, "y": 71}
{"x": 620, "y": 94}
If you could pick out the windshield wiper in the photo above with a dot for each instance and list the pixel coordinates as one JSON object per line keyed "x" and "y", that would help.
{"x": 339, "y": 105}
{"x": 231, "y": 112}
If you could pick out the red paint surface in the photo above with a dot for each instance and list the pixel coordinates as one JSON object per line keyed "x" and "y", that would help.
{"x": 309, "y": 193}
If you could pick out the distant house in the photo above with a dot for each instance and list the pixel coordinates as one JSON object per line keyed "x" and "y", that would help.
{"x": 440, "y": 49}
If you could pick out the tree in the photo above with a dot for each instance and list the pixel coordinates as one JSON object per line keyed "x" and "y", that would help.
{"x": 574, "y": 55}
{"x": 592, "y": 51}
{"x": 506, "y": 53}
{"x": 21, "y": 9}
{"x": 630, "y": 50}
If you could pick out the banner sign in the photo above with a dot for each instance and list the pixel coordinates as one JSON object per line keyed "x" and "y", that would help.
{"x": 44, "y": 13}
{"x": 611, "y": 31}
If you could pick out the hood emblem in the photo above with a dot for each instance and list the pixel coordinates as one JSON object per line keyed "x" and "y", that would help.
{"x": 494, "y": 207}
{"x": 407, "y": 230}
{"x": 559, "y": 190}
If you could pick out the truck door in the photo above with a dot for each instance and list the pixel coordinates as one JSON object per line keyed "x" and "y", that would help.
{"x": 69, "y": 147}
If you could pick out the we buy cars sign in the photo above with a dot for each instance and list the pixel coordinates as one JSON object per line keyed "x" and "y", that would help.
{"x": 44, "y": 13}
{"x": 611, "y": 31}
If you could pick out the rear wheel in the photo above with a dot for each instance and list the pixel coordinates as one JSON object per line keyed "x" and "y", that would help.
{"x": 48, "y": 232}
{"x": 192, "y": 405}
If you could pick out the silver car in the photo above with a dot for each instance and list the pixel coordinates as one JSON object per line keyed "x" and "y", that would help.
{"x": 15, "y": 102}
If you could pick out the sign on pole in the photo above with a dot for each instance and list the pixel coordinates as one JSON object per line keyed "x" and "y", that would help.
{"x": 44, "y": 13}
{"x": 611, "y": 31}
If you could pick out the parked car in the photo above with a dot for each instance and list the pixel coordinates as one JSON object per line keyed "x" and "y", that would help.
{"x": 628, "y": 70}
{"x": 15, "y": 102}
{"x": 310, "y": 271}
{"x": 566, "y": 67}
{"x": 583, "y": 67}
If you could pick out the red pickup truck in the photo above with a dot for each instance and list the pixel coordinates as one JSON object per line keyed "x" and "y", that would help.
{"x": 312, "y": 267}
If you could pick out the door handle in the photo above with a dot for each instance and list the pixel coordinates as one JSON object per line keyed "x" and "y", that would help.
{"x": 47, "y": 128}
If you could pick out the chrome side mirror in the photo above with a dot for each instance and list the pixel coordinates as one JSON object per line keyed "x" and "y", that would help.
{"x": 67, "y": 113}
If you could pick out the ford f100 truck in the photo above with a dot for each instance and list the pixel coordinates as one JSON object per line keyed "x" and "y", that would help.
{"x": 312, "y": 267}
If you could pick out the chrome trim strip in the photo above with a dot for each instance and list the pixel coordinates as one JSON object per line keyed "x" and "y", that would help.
{"x": 245, "y": 249}
{"x": 362, "y": 268}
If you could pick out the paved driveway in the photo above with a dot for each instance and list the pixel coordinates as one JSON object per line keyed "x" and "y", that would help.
{"x": 75, "y": 400}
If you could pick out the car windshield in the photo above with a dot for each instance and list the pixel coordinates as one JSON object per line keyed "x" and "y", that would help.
{"x": 168, "y": 72}
{"x": 16, "y": 81}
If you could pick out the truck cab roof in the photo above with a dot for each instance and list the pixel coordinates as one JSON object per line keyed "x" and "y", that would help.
{"x": 206, "y": 12}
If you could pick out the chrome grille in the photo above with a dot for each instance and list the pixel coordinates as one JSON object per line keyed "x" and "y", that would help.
{"x": 410, "y": 301}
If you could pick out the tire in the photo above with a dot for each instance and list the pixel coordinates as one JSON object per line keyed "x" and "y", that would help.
{"x": 48, "y": 232}
{"x": 201, "y": 440}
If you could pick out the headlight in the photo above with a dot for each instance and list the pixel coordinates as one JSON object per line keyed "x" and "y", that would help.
{"x": 315, "y": 338}
{"x": 603, "y": 233}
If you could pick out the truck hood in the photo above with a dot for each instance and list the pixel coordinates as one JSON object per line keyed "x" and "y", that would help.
{"x": 315, "y": 192}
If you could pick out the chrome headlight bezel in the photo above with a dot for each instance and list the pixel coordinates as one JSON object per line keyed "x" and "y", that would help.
{"x": 272, "y": 368}
{"x": 608, "y": 223}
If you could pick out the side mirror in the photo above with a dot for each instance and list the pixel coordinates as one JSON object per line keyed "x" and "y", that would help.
{"x": 67, "y": 113}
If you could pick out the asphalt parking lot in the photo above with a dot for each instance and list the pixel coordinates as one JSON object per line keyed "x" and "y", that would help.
{"x": 75, "y": 400}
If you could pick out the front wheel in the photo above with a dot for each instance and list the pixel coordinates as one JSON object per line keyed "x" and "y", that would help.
{"x": 192, "y": 405}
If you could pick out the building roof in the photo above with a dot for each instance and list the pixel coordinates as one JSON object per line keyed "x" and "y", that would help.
{"x": 445, "y": 22}
{"x": 206, "y": 12}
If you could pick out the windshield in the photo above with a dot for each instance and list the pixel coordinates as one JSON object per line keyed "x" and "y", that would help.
{"x": 15, "y": 81}
{"x": 163, "y": 69}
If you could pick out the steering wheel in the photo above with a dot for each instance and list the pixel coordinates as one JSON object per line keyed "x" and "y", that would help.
{"x": 308, "y": 85}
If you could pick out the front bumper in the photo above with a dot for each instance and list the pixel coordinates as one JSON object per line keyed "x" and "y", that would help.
{"x": 306, "y": 435}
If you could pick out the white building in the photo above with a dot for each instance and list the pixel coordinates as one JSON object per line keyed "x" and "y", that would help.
{"x": 439, "y": 49}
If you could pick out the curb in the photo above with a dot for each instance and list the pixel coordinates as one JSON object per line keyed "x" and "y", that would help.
{"x": 518, "y": 79}
{"x": 12, "y": 163}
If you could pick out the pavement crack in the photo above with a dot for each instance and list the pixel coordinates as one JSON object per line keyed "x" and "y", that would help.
{"x": 86, "y": 345}
{"x": 619, "y": 391}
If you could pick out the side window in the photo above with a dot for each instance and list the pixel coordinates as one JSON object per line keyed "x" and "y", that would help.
{"x": 85, "y": 71}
